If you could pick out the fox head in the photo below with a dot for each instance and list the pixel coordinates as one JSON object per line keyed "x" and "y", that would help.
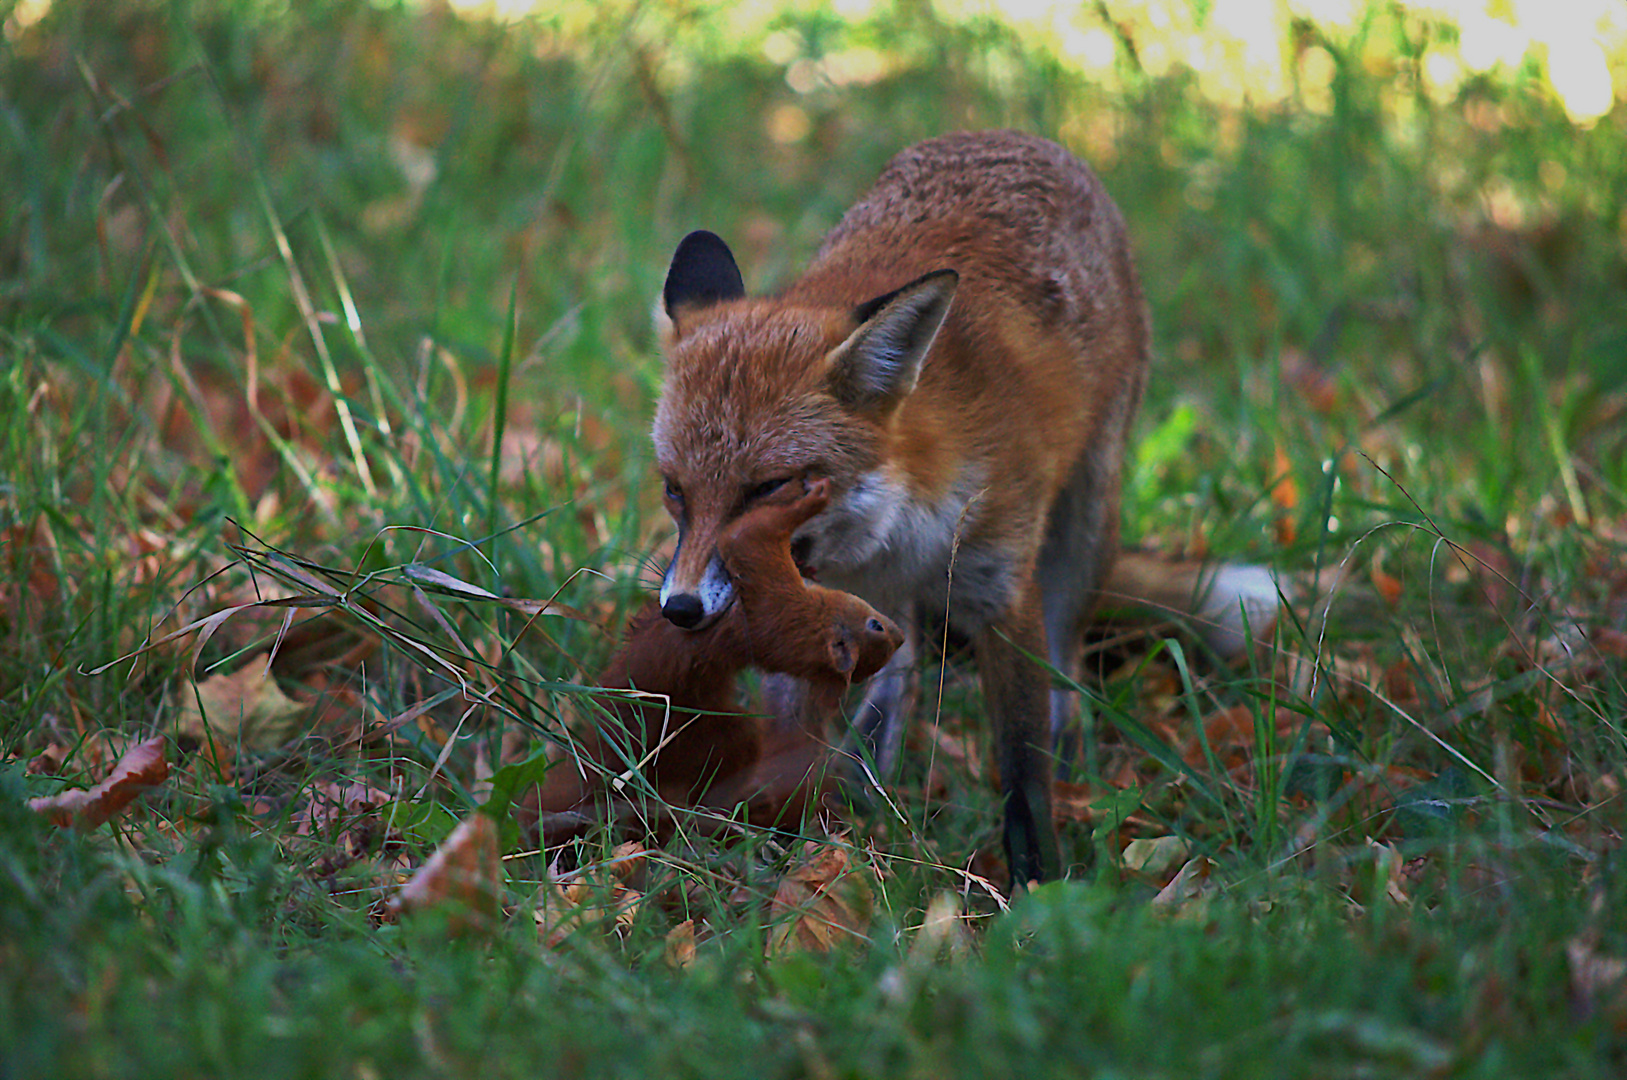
{"x": 759, "y": 392}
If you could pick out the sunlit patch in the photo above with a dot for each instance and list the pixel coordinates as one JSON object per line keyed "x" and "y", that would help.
{"x": 1485, "y": 42}
{"x": 1240, "y": 52}
{"x": 788, "y": 124}
{"x": 1316, "y": 72}
{"x": 25, "y": 15}
{"x": 1580, "y": 75}
{"x": 1328, "y": 13}
{"x": 1443, "y": 74}
{"x": 499, "y": 10}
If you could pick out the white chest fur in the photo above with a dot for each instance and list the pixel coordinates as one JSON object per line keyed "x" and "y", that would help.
{"x": 896, "y": 550}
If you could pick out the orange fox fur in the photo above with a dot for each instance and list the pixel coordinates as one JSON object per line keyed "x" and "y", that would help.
{"x": 713, "y": 753}
{"x": 962, "y": 360}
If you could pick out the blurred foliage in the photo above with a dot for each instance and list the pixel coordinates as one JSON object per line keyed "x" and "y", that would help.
{"x": 373, "y": 281}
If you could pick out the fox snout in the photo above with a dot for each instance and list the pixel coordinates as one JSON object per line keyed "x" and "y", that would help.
{"x": 696, "y": 588}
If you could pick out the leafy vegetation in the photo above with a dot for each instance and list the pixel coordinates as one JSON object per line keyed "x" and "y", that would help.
{"x": 333, "y": 317}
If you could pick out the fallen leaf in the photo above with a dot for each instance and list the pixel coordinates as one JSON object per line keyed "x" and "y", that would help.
{"x": 1232, "y": 736}
{"x": 1285, "y": 494}
{"x": 1229, "y": 733}
{"x": 1388, "y": 873}
{"x": 1609, "y": 641}
{"x": 1315, "y": 384}
{"x": 330, "y": 803}
{"x": 955, "y": 749}
{"x": 1155, "y": 856}
{"x": 49, "y": 761}
{"x": 1399, "y": 686}
{"x": 143, "y": 766}
{"x": 577, "y": 906}
{"x": 1194, "y": 881}
{"x": 465, "y": 872}
{"x": 1074, "y": 802}
{"x": 1597, "y": 980}
{"x": 627, "y": 861}
{"x": 822, "y": 901}
{"x": 680, "y": 947}
{"x": 1492, "y": 569}
{"x": 1284, "y": 490}
{"x": 245, "y": 708}
{"x": 1388, "y": 586}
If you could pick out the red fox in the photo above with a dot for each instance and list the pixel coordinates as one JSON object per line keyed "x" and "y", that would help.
{"x": 716, "y": 758}
{"x": 962, "y": 361}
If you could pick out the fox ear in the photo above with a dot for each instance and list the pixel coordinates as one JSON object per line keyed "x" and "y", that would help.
{"x": 702, "y": 273}
{"x": 878, "y": 364}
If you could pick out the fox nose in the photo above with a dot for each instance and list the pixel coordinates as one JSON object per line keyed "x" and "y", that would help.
{"x": 684, "y": 610}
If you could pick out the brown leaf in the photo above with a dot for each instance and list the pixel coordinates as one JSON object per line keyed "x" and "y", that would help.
{"x": 1072, "y": 802}
{"x": 1597, "y": 980}
{"x": 1316, "y": 385}
{"x": 576, "y": 906}
{"x": 627, "y": 861}
{"x": 1155, "y": 857}
{"x": 1388, "y": 586}
{"x": 1285, "y": 495}
{"x": 1609, "y": 641}
{"x": 1388, "y": 875}
{"x": 466, "y": 872}
{"x": 143, "y": 766}
{"x": 680, "y": 948}
{"x": 331, "y": 803}
{"x": 1227, "y": 731}
{"x": 1492, "y": 569}
{"x": 962, "y": 752}
{"x": 1231, "y": 734}
{"x": 1398, "y": 683}
{"x": 821, "y": 902}
{"x": 49, "y": 761}
{"x": 30, "y": 585}
{"x": 1194, "y": 881}
{"x": 245, "y": 708}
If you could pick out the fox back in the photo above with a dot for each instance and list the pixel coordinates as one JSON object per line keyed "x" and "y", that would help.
{"x": 1038, "y": 363}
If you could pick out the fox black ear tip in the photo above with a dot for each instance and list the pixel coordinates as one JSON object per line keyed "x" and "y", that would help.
{"x": 703, "y": 272}
{"x": 700, "y": 239}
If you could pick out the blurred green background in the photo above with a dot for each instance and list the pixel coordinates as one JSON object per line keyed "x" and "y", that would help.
{"x": 372, "y": 281}
{"x": 1407, "y": 197}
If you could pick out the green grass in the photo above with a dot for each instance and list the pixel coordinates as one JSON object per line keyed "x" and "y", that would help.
{"x": 304, "y": 304}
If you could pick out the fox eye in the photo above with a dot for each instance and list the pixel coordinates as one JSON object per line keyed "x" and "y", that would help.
{"x": 765, "y": 489}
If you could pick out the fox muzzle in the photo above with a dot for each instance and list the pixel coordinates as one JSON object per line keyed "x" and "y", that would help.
{"x": 694, "y": 606}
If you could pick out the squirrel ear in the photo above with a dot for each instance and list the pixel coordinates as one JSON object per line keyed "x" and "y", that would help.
{"x": 842, "y": 657}
{"x": 879, "y": 363}
{"x": 702, "y": 273}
